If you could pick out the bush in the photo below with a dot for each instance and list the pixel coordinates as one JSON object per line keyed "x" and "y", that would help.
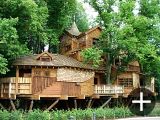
{"x": 38, "y": 115}
{"x": 4, "y": 115}
{"x": 87, "y": 114}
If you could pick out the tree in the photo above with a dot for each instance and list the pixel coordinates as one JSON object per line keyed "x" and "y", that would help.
{"x": 31, "y": 24}
{"x": 28, "y": 25}
{"x": 60, "y": 17}
{"x": 81, "y": 18}
{"x": 10, "y": 47}
{"x": 127, "y": 35}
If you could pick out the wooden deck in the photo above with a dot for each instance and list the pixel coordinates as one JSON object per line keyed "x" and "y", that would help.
{"x": 36, "y": 88}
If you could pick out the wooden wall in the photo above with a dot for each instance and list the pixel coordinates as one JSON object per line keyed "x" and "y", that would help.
{"x": 67, "y": 82}
{"x": 90, "y": 36}
{"x": 87, "y": 87}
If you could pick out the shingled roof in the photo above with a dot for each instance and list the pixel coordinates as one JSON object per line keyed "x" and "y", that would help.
{"x": 74, "y": 30}
{"x": 56, "y": 61}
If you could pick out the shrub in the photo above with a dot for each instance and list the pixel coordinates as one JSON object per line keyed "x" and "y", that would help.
{"x": 38, "y": 115}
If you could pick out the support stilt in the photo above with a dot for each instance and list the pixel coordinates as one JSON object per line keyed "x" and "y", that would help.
{"x": 53, "y": 104}
{"x": 106, "y": 103}
{"x": 75, "y": 104}
{"x": 12, "y": 104}
{"x": 31, "y": 105}
{"x": 89, "y": 103}
{"x": 2, "y": 107}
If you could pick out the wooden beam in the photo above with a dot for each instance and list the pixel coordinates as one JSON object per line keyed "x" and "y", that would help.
{"x": 75, "y": 103}
{"x": 106, "y": 103}
{"x": 12, "y": 104}
{"x": 31, "y": 105}
{"x": 89, "y": 103}
{"x": 52, "y": 105}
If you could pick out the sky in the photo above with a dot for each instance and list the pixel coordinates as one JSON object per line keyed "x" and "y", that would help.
{"x": 91, "y": 13}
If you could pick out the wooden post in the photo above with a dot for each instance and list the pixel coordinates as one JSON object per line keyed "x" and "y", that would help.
{"x": 31, "y": 105}
{"x": 52, "y": 105}
{"x": 75, "y": 104}
{"x": 89, "y": 103}
{"x": 17, "y": 76}
{"x": 2, "y": 90}
{"x": 106, "y": 103}
{"x": 9, "y": 89}
{"x": 12, "y": 104}
{"x": 2, "y": 107}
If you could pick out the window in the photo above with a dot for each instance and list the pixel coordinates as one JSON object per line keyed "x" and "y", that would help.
{"x": 127, "y": 82}
{"x": 95, "y": 41}
{"x": 47, "y": 59}
{"x": 95, "y": 81}
{"x": 67, "y": 47}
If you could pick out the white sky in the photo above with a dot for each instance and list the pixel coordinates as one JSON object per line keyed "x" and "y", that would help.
{"x": 92, "y": 14}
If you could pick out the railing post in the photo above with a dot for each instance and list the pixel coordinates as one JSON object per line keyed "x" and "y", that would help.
{"x": 17, "y": 77}
{"x": 104, "y": 88}
{"x": 9, "y": 91}
{"x": 115, "y": 89}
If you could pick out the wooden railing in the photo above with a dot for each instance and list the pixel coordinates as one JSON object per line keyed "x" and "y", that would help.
{"x": 108, "y": 89}
{"x": 40, "y": 83}
{"x": 8, "y": 86}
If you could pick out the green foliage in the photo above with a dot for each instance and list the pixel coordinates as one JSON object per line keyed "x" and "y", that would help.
{"x": 81, "y": 18}
{"x": 28, "y": 25}
{"x": 38, "y": 115}
{"x": 4, "y": 115}
{"x": 3, "y": 65}
{"x": 92, "y": 55}
{"x": 130, "y": 36}
{"x": 10, "y": 47}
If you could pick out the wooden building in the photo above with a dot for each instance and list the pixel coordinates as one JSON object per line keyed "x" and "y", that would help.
{"x": 73, "y": 42}
{"x": 64, "y": 76}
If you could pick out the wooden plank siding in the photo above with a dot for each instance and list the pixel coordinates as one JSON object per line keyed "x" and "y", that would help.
{"x": 71, "y": 89}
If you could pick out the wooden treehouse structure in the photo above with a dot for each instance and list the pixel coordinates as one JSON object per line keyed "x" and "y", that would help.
{"x": 60, "y": 77}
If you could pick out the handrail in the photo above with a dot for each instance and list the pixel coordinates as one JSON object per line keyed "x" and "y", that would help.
{"x": 108, "y": 89}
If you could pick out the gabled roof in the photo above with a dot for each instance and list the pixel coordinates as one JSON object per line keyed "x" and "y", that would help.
{"x": 45, "y": 53}
{"x": 90, "y": 30}
{"x": 74, "y": 30}
{"x": 57, "y": 61}
{"x": 93, "y": 28}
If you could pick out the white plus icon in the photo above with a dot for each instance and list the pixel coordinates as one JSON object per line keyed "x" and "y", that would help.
{"x": 141, "y": 101}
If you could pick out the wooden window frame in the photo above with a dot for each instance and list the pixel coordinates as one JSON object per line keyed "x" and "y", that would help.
{"x": 126, "y": 82}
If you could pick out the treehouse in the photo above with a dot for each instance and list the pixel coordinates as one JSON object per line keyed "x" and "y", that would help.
{"x": 63, "y": 77}
{"x": 73, "y": 42}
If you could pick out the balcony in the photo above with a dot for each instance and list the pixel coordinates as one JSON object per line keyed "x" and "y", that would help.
{"x": 108, "y": 89}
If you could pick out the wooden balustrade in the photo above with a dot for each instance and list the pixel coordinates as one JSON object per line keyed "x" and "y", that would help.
{"x": 8, "y": 86}
{"x": 108, "y": 89}
{"x": 39, "y": 83}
